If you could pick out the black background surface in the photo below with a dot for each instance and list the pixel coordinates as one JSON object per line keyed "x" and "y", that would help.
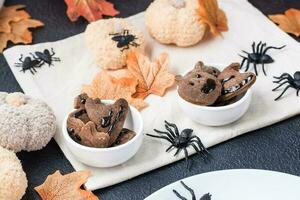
{"x": 274, "y": 148}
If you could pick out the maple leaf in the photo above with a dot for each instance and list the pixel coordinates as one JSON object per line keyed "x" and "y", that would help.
{"x": 65, "y": 187}
{"x": 11, "y": 14}
{"x": 153, "y": 77}
{"x": 19, "y": 32}
{"x": 213, "y": 16}
{"x": 289, "y": 22}
{"x": 114, "y": 85}
{"x": 91, "y": 10}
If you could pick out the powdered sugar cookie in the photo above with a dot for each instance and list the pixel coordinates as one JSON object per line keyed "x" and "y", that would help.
{"x": 175, "y": 22}
{"x": 110, "y": 40}
{"x": 25, "y": 123}
{"x": 12, "y": 177}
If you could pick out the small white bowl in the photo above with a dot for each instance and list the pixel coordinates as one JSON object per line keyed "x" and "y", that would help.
{"x": 216, "y": 116}
{"x": 219, "y": 115}
{"x": 108, "y": 157}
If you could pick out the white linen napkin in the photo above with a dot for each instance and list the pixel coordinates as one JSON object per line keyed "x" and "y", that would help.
{"x": 59, "y": 84}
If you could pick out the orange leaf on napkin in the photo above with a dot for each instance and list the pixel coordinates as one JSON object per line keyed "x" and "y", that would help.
{"x": 91, "y": 10}
{"x": 19, "y": 32}
{"x": 114, "y": 85}
{"x": 65, "y": 187}
{"x": 213, "y": 16}
{"x": 14, "y": 25}
{"x": 11, "y": 14}
{"x": 153, "y": 77}
{"x": 289, "y": 22}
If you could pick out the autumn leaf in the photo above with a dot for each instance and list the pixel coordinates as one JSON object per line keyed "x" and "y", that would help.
{"x": 289, "y": 22}
{"x": 153, "y": 77}
{"x": 114, "y": 85}
{"x": 19, "y": 32}
{"x": 11, "y": 14}
{"x": 65, "y": 187}
{"x": 14, "y": 25}
{"x": 213, "y": 16}
{"x": 91, "y": 10}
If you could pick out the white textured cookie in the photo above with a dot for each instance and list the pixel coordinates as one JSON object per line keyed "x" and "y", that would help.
{"x": 107, "y": 54}
{"x": 12, "y": 177}
{"x": 175, "y": 22}
{"x": 25, "y": 123}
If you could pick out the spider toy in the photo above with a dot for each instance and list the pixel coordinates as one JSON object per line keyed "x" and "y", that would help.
{"x": 204, "y": 197}
{"x": 181, "y": 141}
{"x": 258, "y": 56}
{"x": 28, "y": 64}
{"x": 124, "y": 39}
{"x": 45, "y": 56}
{"x": 292, "y": 82}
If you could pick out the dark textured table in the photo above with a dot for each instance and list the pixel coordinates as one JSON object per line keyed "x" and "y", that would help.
{"x": 274, "y": 148}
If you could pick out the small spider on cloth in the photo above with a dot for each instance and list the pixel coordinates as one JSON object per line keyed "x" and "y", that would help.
{"x": 289, "y": 81}
{"x": 258, "y": 56}
{"x": 181, "y": 140}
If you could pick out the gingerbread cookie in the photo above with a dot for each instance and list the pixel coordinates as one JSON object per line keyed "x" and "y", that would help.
{"x": 108, "y": 118}
{"x": 234, "y": 83}
{"x": 208, "y": 69}
{"x": 124, "y": 136}
{"x": 199, "y": 87}
{"x": 79, "y": 101}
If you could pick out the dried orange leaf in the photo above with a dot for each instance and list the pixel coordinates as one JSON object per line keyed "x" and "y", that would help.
{"x": 289, "y": 22}
{"x": 66, "y": 187}
{"x": 213, "y": 16}
{"x": 153, "y": 77}
{"x": 19, "y": 32}
{"x": 11, "y": 14}
{"x": 91, "y": 10}
{"x": 114, "y": 85}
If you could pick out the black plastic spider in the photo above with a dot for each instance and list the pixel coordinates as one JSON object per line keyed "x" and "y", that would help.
{"x": 258, "y": 56}
{"x": 46, "y": 56}
{"x": 204, "y": 197}
{"x": 285, "y": 78}
{"x": 124, "y": 39}
{"x": 28, "y": 64}
{"x": 181, "y": 140}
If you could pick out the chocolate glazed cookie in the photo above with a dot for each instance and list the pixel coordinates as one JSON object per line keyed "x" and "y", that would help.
{"x": 199, "y": 87}
{"x": 234, "y": 83}
{"x": 107, "y": 118}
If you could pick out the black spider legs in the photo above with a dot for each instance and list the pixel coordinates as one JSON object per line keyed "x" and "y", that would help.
{"x": 174, "y": 127}
{"x": 271, "y": 47}
{"x": 280, "y": 85}
{"x": 284, "y": 76}
{"x": 188, "y": 189}
{"x": 161, "y": 137}
{"x": 21, "y": 57}
{"x": 54, "y": 58}
{"x": 285, "y": 89}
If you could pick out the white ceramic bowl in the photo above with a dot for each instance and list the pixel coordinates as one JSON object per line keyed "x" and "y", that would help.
{"x": 108, "y": 157}
{"x": 216, "y": 116}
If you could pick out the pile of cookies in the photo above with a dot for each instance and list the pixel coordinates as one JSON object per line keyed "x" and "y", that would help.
{"x": 95, "y": 124}
{"x": 206, "y": 85}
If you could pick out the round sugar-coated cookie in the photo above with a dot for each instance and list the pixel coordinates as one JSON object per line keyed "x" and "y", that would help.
{"x": 12, "y": 177}
{"x": 199, "y": 87}
{"x": 174, "y": 22}
{"x": 25, "y": 123}
{"x": 111, "y": 40}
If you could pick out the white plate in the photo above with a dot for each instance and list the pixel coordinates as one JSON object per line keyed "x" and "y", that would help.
{"x": 241, "y": 184}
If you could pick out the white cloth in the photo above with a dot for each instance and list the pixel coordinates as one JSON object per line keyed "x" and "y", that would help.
{"x": 59, "y": 84}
